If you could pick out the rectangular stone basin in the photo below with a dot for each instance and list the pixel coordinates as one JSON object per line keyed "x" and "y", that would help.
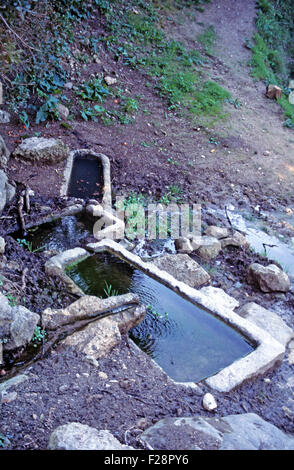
{"x": 185, "y": 340}
{"x": 256, "y": 351}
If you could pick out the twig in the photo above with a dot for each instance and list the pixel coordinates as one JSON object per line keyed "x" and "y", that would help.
{"x": 23, "y": 279}
{"x": 15, "y": 34}
{"x": 21, "y": 217}
{"x": 228, "y": 218}
{"x": 27, "y": 199}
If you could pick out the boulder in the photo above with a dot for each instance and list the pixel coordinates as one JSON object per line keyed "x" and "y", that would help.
{"x": 4, "y": 153}
{"x": 17, "y": 325}
{"x": 236, "y": 239}
{"x": 234, "y": 432}
{"x": 217, "y": 232}
{"x": 268, "y": 278}
{"x": 40, "y": 149}
{"x": 110, "y": 80}
{"x": 273, "y": 91}
{"x": 209, "y": 247}
{"x": 183, "y": 268}
{"x": 101, "y": 335}
{"x": 77, "y": 436}
{"x": 291, "y": 97}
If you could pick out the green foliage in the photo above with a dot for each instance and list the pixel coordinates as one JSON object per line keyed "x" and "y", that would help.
{"x": 38, "y": 337}
{"x": 28, "y": 245}
{"x": 94, "y": 90}
{"x": 109, "y": 291}
{"x": 207, "y": 38}
{"x": 273, "y": 50}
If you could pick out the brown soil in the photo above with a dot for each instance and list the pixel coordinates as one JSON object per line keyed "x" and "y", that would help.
{"x": 64, "y": 387}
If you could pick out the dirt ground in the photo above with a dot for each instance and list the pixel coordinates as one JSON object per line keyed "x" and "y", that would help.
{"x": 251, "y": 164}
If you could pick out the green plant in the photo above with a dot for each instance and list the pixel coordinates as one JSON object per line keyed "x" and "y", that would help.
{"x": 273, "y": 51}
{"x": 29, "y": 245}
{"x": 207, "y": 38}
{"x": 11, "y": 299}
{"x": 109, "y": 291}
{"x": 38, "y": 337}
{"x": 151, "y": 310}
{"x": 130, "y": 105}
{"x": 94, "y": 90}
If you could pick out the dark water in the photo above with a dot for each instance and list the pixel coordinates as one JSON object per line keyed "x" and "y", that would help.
{"x": 86, "y": 179}
{"x": 61, "y": 235}
{"x": 189, "y": 343}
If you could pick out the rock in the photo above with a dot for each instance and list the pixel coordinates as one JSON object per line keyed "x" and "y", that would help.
{"x": 237, "y": 239}
{"x": 209, "y": 402}
{"x": 68, "y": 85}
{"x": 4, "y": 153}
{"x": 273, "y": 91}
{"x": 4, "y": 117}
{"x": 234, "y": 432}
{"x": 291, "y": 84}
{"x": 2, "y": 246}
{"x": 268, "y": 278}
{"x": 76, "y": 436}
{"x": 99, "y": 337}
{"x": 210, "y": 247}
{"x": 17, "y": 325}
{"x": 291, "y": 97}
{"x": 40, "y": 149}
{"x": 63, "y": 111}
{"x": 7, "y": 191}
{"x": 183, "y": 268}
{"x": 269, "y": 321}
{"x": 110, "y": 80}
{"x": 88, "y": 307}
{"x": 188, "y": 244}
{"x": 217, "y": 232}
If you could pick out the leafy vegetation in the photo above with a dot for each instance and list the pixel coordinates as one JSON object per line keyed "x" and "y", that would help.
{"x": 273, "y": 50}
{"x": 35, "y": 72}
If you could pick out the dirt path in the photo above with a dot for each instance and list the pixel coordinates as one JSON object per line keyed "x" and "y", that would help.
{"x": 261, "y": 150}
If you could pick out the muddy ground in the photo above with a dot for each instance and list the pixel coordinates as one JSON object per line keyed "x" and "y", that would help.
{"x": 251, "y": 165}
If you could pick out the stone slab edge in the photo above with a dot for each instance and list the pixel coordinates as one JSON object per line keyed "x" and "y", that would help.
{"x": 55, "y": 267}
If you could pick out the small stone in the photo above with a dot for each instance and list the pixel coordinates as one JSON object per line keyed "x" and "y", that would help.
{"x": 103, "y": 375}
{"x": 291, "y": 97}
{"x": 237, "y": 239}
{"x": 8, "y": 397}
{"x": 63, "y": 111}
{"x": 273, "y": 91}
{"x": 110, "y": 80}
{"x": 4, "y": 117}
{"x": 209, "y": 402}
{"x": 40, "y": 149}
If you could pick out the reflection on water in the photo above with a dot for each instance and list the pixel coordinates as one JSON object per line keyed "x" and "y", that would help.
{"x": 186, "y": 341}
{"x": 60, "y": 235}
{"x": 86, "y": 179}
